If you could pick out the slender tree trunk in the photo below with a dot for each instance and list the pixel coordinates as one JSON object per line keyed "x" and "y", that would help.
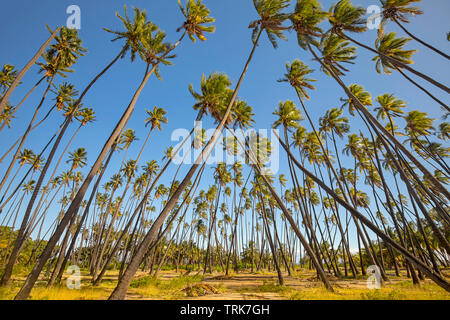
{"x": 420, "y": 41}
{"x": 121, "y": 289}
{"x": 27, "y": 67}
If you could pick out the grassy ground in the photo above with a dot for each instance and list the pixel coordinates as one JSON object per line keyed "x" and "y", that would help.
{"x": 303, "y": 285}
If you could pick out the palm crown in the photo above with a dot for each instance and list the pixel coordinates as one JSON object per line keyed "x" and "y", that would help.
{"x": 288, "y": 114}
{"x": 397, "y": 10}
{"x": 214, "y": 94}
{"x": 305, "y": 20}
{"x": 392, "y": 47}
{"x": 197, "y": 16}
{"x": 363, "y": 96}
{"x": 297, "y": 75}
{"x": 343, "y": 16}
{"x": 336, "y": 51}
{"x": 134, "y": 30}
{"x": 271, "y": 19}
{"x": 156, "y": 117}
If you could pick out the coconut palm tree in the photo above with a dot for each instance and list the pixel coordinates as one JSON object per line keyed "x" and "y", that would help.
{"x": 363, "y": 96}
{"x": 444, "y": 131}
{"x": 270, "y": 17}
{"x": 390, "y": 46}
{"x": 7, "y": 77}
{"x": 5, "y": 97}
{"x": 142, "y": 32}
{"x": 214, "y": 94}
{"x": 346, "y": 17}
{"x": 335, "y": 52}
{"x": 77, "y": 158}
{"x": 399, "y": 11}
{"x": 389, "y": 107}
{"x": 156, "y": 117}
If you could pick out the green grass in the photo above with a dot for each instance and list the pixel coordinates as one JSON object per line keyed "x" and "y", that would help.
{"x": 404, "y": 290}
{"x": 267, "y": 287}
{"x": 151, "y": 287}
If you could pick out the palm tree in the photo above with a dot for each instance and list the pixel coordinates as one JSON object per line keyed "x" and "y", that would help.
{"x": 389, "y": 107}
{"x": 270, "y": 13}
{"x": 7, "y": 77}
{"x": 390, "y": 46}
{"x": 138, "y": 31}
{"x": 363, "y": 97}
{"x": 399, "y": 11}
{"x": 5, "y": 98}
{"x": 77, "y": 158}
{"x": 214, "y": 95}
{"x": 197, "y": 20}
{"x": 65, "y": 51}
{"x": 288, "y": 116}
{"x": 346, "y": 17}
{"x": 444, "y": 131}
{"x": 156, "y": 117}
{"x": 336, "y": 51}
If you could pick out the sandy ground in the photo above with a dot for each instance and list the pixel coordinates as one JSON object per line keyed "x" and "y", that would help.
{"x": 246, "y": 286}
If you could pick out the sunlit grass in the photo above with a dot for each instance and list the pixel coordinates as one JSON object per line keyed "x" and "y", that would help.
{"x": 400, "y": 291}
{"x": 267, "y": 287}
{"x": 151, "y": 287}
{"x": 58, "y": 293}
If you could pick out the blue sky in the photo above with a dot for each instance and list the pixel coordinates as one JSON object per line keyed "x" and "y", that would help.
{"x": 225, "y": 51}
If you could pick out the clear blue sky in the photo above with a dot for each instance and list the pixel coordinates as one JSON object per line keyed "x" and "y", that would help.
{"x": 23, "y": 31}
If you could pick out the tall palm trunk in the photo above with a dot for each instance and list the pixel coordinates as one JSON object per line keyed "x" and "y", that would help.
{"x": 375, "y": 123}
{"x": 121, "y": 289}
{"x": 32, "y": 277}
{"x": 399, "y": 64}
{"x": 419, "y": 264}
{"x": 23, "y": 100}
{"x": 6, "y": 278}
{"x": 27, "y": 67}
{"x": 420, "y": 41}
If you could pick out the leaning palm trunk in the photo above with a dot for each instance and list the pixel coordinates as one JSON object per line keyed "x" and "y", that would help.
{"x": 121, "y": 289}
{"x": 288, "y": 216}
{"x": 383, "y": 130}
{"x": 32, "y": 277}
{"x": 21, "y": 236}
{"x": 269, "y": 238}
{"x": 83, "y": 217}
{"x": 423, "y": 89}
{"x": 418, "y": 263}
{"x": 399, "y": 64}
{"x": 27, "y": 67}
{"x": 23, "y": 100}
{"x": 421, "y": 41}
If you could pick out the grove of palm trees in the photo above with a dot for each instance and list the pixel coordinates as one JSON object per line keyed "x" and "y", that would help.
{"x": 313, "y": 162}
